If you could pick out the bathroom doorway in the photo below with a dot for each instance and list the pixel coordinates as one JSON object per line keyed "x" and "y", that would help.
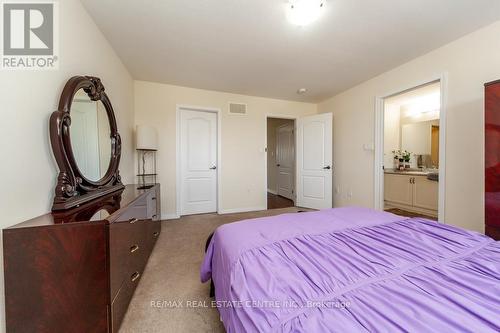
{"x": 410, "y": 152}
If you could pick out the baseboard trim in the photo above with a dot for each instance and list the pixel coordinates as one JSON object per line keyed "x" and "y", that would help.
{"x": 170, "y": 216}
{"x": 272, "y": 192}
{"x": 241, "y": 210}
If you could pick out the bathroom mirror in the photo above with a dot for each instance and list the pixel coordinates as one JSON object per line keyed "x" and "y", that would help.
{"x": 85, "y": 143}
{"x": 422, "y": 139}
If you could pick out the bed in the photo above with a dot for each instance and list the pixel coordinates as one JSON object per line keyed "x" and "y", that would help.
{"x": 353, "y": 270}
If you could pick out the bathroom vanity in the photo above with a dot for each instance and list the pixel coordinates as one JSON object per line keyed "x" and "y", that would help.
{"x": 411, "y": 191}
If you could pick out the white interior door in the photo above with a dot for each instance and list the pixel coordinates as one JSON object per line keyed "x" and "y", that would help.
{"x": 285, "y": 160}
{"x": 314, "y": 161}
{"x": 198, "y": 152}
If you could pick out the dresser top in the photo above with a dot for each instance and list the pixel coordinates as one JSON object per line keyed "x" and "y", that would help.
{"x": 102, "y": 210}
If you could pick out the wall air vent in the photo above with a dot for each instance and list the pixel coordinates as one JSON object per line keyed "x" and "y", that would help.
{"x": 237, "y": 108}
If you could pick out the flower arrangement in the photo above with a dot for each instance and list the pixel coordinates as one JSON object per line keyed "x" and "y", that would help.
{"x": 402, "y": 155}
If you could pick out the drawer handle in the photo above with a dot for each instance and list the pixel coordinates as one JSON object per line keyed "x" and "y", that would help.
{"x": 133, "y": 220}
{"x": 153, "y": 198}
{"x": 134, "y": 248}
{"x": 156, "y": 233}
{"x": 135, "y": 276}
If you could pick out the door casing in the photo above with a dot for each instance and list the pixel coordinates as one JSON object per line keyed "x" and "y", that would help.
{"x": 379, "y": 142}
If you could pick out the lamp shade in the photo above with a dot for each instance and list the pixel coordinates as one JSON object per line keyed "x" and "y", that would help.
{"x": 146, "y": 138}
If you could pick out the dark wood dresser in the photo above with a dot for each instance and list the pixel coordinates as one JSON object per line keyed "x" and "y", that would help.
{"x": 76, "y": 270}
{"x": 492, "y": 159}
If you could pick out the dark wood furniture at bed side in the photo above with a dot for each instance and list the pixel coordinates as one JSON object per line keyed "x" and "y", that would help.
{"x": 492, "y": 159}
{"x": 72, "y": 272}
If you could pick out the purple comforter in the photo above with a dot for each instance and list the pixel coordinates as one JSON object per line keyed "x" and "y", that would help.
{"x": 353, "y": 270}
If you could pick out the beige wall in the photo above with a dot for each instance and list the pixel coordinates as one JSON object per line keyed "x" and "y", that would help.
{"x": 272, "y": 169}
{"x": 28, "y": 98}
{"x": 243, "y": 139}
{"x": 392, "y": 129}
{"x": 468, "y": 63}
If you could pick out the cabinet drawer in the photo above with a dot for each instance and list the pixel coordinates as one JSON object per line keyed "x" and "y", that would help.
{"x": 151, "y": 202}
{"x": 152, "y": 234}
{"x": 138, "y": 211}
{"x": 121, "y": 301}
{"x": 127, "y": 249}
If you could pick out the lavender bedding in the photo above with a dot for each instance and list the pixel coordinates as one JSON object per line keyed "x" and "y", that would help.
{"x": 353, "y": 270}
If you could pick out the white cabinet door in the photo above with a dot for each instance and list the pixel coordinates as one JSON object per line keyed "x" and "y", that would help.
{"x": 425, "y": 193}
{"x": 398, "y": 189}
{"x": 285, "y": 158}
{"x": 314, "y": 161}
{"x": 198, "y": 151}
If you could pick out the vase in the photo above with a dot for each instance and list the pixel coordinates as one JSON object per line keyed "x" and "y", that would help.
{"x": 401, "y": 165}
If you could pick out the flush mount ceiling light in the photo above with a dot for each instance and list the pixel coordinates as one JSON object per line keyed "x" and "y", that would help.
{"x": 304, "y": 12}
{"x": 301, "y": 91}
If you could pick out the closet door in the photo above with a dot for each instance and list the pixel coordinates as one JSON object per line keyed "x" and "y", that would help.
{"x": 198, "y": 152}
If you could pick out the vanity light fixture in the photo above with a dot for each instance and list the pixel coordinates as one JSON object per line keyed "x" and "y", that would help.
{"x": 304, "y": 12}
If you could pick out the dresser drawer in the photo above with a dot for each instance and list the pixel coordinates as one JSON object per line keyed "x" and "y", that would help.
{"x": 122, "y": 299}
{"x": 154, "y": 230}
{"x": 128, "y": 249}
{"x": 139, "y": 210}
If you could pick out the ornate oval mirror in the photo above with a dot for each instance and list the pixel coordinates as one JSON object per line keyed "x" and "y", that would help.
{"x": 85, "y": 142}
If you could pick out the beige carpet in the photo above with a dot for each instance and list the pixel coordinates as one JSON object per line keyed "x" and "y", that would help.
{"x": 171, "y": 278}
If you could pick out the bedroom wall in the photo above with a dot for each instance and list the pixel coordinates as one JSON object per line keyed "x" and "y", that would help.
{"x": 243, "y": 139}
{"x": 27, "y": 100}
{"x": 468, "y": 62}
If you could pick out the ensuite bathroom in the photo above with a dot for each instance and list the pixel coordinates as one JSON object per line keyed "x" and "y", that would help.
{"x": 411, "y": 151}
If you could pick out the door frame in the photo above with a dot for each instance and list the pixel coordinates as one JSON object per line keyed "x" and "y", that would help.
{"x": 178, "y": 183}
{"x": 379, "y": 142}
{"x": 279, "y": 116}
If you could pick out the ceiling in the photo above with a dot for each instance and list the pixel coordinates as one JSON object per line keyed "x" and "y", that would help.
{"x": 419, "y": 104}
{"x": 414, "y": 95}
{"x": 248, "y": 46}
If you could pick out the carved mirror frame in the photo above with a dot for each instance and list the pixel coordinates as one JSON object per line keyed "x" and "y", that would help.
{"x": 73, "y": 188}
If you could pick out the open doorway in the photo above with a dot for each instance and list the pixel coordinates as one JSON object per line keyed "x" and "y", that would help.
{"x": 280, "y": 163}
{"x": 412, "y": 159}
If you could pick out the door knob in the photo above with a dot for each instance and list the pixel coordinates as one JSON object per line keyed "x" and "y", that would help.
{"x": 327, "y": 167}
{"x": 213, "y": 168}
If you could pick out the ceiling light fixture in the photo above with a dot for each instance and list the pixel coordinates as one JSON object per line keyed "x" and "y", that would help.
{"x": 304, "y": 12}
{"x": 301, "y": 91}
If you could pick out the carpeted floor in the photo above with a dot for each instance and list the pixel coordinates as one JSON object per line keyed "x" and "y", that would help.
{"x": 170, "y": 296}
